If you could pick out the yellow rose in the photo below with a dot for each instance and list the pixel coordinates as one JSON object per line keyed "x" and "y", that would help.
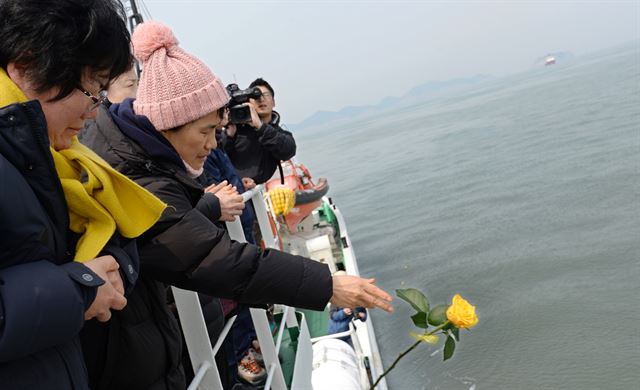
{"x": 461, "y": 313}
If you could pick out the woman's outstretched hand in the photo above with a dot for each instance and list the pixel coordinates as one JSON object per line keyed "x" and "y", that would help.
{"x": 353, "y": 291}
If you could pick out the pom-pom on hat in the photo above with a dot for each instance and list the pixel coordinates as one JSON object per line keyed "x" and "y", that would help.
{"x": 175, "y": 87}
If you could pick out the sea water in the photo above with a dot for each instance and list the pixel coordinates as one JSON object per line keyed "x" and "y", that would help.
{"x": 523, "y": 195}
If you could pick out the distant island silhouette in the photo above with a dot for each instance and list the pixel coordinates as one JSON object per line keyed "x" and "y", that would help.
{"x": 425, "y": 91}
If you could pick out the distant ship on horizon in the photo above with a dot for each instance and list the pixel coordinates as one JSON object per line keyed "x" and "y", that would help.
{"x": 549, "y": 60}
{"x": 553, "y": 58}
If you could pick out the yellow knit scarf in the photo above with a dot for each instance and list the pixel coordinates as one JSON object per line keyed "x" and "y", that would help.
{"x": 106, "y": 201}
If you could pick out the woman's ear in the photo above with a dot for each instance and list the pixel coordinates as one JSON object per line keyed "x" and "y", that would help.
{"x": 17, "y": 74}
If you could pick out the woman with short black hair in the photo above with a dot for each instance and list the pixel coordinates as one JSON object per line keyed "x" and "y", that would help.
{"x": 67, "y": 223}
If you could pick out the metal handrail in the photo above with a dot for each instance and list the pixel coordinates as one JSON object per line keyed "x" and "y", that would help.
{"x": 352, "y": 268}
{"x": 334, "y": 336}
{"x": 223, "y": 334}
{"x": 199, "y": 376}
{"x": 249, "y": 194}
{"x": 281, "y": 328}
{"x": 201, "y": 352}
{"x": 270, "y": 376}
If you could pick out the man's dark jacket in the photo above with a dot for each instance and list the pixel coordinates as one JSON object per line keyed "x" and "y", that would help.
{"x": 256, "y": 153}
{"x": 43, "y": 293}
{"x": 218, "y": 168}
{"x": 185, "y": 248}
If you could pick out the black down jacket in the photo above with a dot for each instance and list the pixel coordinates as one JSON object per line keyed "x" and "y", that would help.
{"x": 256, "y": 152}
{"x": 186, "y": 249}
{"x": 43, "y": 293}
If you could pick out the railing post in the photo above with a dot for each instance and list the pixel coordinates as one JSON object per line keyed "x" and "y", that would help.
{"x": 304, "y": 358}
{"x": 235, "y": 230}
{"x": 263, "y": 219}
{"x": 259, "y": 317}
{"x": 269, "y": 353}
{"x": 197, "y": 340}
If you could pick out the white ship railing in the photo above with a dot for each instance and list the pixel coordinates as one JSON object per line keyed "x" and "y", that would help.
{"x": 366, "y": 331}
{"x": 198, "y": 344}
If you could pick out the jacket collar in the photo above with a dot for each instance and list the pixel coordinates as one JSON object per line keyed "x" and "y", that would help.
{"x": 275, "y": 118}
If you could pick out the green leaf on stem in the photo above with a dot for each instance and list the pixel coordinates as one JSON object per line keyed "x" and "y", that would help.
{"x": 456, "y": 333}
{"x": 415, "y": 298}
{"x": 449, "y": 347}
{"x": 420, "y": 320}
{"x": 438, "y": 315}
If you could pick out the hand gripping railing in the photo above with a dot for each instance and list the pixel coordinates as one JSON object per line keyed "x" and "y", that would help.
{"x": 197, "y": 339}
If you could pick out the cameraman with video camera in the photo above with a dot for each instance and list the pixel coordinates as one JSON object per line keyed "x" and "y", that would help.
{"x": 254, "y": 141}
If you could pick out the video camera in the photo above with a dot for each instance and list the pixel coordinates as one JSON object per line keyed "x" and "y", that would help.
{"x": 239, "y": 114}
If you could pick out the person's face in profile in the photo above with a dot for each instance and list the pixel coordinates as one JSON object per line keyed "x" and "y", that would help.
{"x": 65, "y": 117}
{"x": 195, "y": 140}
{"x": 123, "y": 87}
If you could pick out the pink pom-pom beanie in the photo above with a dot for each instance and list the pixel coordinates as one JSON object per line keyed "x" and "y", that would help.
{"x": 175, "y": 87}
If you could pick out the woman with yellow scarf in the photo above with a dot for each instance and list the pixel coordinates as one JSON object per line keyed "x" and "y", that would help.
{"x": 67, "y": 219}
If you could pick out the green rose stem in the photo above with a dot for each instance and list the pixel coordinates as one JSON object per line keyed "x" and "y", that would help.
{"x": 411, "y": 348}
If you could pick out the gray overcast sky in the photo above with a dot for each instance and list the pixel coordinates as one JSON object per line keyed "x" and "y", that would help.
{"x": 325, "y": 55}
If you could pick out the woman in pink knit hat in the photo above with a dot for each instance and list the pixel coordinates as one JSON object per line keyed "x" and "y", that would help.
{"x": 161, "y": 140}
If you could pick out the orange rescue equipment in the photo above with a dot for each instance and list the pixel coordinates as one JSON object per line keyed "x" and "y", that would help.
{"x": 308, "y": 193}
